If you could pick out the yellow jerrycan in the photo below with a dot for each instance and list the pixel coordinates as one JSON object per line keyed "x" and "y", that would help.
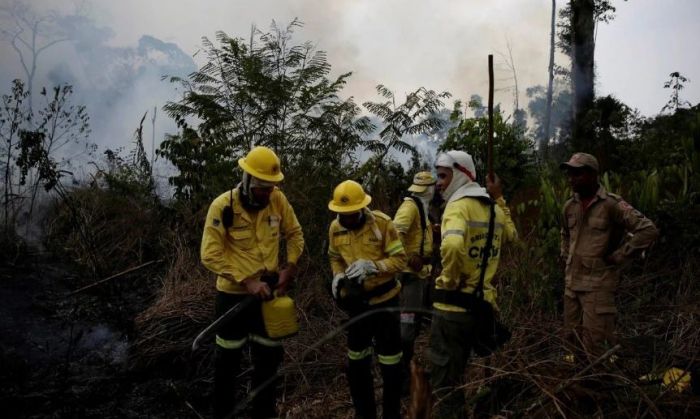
{"x": 280, "y": 317}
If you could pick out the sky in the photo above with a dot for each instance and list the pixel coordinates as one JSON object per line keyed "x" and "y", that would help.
{"x": 403, "y": 44}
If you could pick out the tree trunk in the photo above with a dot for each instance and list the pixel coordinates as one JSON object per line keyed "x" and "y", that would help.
{"x": 582, "y": 72}
{"x": 548, "y": 110}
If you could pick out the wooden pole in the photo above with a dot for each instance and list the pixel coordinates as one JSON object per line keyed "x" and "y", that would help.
{"x": 490, "y": 139}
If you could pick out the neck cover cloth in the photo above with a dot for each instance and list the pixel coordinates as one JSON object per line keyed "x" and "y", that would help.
{"x": 463, "y": 176}
{"x": 248, "y": 199}
{"x": 425, "y": 197}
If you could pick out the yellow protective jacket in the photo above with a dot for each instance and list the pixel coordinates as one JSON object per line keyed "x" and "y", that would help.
{"x": 465, "y": 225}
{"x": 407, "y": 223}
{"x": 251, "y": 245}
{"x": 608, "y": 226}
{"x": 377, "y": 241}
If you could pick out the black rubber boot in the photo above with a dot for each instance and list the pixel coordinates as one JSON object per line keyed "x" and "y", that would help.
{"x": 407, "y": 347}
{"x": 391, "y": 397}
{"x": 227, "y": 367}
{"x": 266, "y": 361}
{"x": 362, "y": 388}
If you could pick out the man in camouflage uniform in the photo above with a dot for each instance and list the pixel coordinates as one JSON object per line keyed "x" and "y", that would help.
{"x": 600, "y": 231}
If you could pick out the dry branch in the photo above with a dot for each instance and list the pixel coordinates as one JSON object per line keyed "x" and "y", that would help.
{"x": 102, "y": 281}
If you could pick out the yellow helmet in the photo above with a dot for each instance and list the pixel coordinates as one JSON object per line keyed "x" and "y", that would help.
{"x": 262, "y": 163}
{"x": 348, "y": 197}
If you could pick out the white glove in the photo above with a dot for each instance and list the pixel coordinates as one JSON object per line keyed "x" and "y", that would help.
{"x": 361, "y": 269}
{"x": 334, "y": 285}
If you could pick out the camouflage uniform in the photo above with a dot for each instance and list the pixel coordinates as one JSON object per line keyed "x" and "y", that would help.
{"x": 590, "y": 238}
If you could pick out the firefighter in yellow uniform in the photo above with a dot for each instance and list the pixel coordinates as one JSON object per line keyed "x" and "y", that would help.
{"x": 465, "y": 225}
{"x": 365, "y": 253}
{"x": 600, "y": 231}
{"x": 415, "y": 230}
{"x": 240, "y": 244}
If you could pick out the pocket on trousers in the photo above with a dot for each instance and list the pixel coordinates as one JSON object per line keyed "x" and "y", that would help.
{"x": 605, "y": 303}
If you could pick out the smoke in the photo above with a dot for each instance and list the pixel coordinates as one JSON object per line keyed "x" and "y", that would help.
{"x": 116, "y": 70}
{"x": 117, "y": 84}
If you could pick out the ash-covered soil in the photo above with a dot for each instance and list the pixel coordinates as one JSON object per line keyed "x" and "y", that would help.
{"x": 66, "y": 355}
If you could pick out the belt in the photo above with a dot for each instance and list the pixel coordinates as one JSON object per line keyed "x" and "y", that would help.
{"x": 380, "y": 289}
{"x": 455, "y": 298}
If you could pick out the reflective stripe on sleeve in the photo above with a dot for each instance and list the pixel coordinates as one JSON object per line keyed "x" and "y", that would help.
{"x": 453, "y": 232}
{"x": 356, "y": 356}
{"x": 401, "y": 227}
{"x": 482, "y": 224}
{"x": 230, "y": 344}
{"x": 394, "y": 247}
{"x": 390, "y": 359}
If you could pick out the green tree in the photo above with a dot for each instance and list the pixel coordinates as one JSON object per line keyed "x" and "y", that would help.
{"x": 418, "y": 114}
{"x": 577, "y": 35}
{"x": 560, "y": 114}
{"x": 267, "y": 91}
{"x": 133, "y": 175}
{"x": 582, "y": 68}
{"x": 675, "y": 83}
{"x": 13, "y": 116}
{"x": 44, "y": 145}
{"x": 614, "y": 124}
{"x": 544, "y": 139}
{"x": 513, "y": 152}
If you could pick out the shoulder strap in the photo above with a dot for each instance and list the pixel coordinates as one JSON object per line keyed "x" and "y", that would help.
{"x": 371, "y": 218}
{"x": 227, "y": 213}
{"x": 479, "y": 292}
{"x": 421, "y": 213}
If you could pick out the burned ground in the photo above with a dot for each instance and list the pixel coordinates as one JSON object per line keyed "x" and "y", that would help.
{"x": 122, "y": 349}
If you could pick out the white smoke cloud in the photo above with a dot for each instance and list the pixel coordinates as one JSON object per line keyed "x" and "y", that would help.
{"x": 404, "y": 44}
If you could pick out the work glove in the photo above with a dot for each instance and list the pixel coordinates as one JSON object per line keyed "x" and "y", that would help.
{"x": 335, "y": 285}
{"x": 360, "y": 269}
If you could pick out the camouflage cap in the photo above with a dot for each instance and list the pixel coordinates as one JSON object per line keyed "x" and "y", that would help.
{"x": 421, "y": 181}
{"x": 580, "y": 160}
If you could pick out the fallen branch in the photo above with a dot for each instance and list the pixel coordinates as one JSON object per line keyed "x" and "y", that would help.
{"x": 94, "y": 284}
